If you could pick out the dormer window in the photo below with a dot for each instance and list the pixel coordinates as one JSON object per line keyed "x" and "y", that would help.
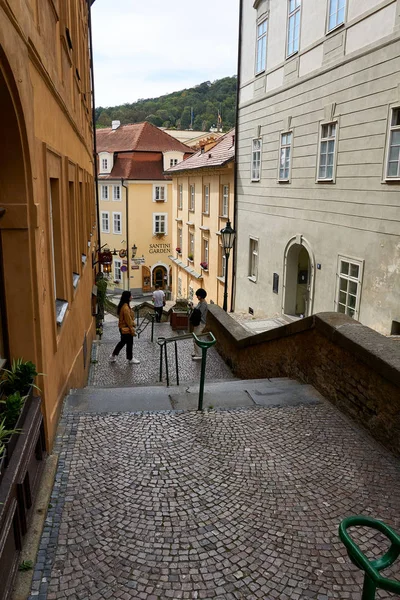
{"x": 104, "y": 164}
{"x": 106, "y": 161}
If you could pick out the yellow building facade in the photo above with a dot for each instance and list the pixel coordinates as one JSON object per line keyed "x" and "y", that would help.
{"x": 203, "y": 203}
{"x": 47, "y": 207}
{"x": 136, "y": 204}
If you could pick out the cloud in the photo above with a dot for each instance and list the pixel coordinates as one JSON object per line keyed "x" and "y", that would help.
{"x": 147, "y": 49}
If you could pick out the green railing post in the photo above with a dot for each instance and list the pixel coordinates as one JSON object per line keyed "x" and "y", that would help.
{"x": 204, "y": 347}
{"x": 152, "y": 326}
{"x": 373, "y": 580}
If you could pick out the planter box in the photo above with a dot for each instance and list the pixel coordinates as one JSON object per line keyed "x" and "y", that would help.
{"x": 12, "y": 442}
{"x": 179, "y": 319}
{"x": 18, "y": 489}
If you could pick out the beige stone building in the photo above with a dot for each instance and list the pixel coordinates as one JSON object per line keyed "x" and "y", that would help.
{"x": 203, "y": 202}
{"x": 135, "y": 203}
{"x": 319, "y": 159}
{"x": 47, "y": 210}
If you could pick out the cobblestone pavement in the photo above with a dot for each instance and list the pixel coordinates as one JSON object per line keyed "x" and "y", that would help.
{"x": 225, "y": 504}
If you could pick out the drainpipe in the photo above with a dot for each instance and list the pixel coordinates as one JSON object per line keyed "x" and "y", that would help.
{"x": 128, "y": 249}
{"x": 94, "y": 133}
{"x": 233, "y": 287}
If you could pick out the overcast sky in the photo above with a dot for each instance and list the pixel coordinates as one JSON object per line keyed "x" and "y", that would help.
{"x": 144, "y": 49}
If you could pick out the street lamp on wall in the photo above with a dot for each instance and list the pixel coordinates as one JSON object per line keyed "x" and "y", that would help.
{"x": 228, "y": 237}
{"x": 134, "y": 250}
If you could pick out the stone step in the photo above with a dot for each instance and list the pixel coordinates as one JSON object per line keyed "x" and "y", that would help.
{"x": 225, "y": 394}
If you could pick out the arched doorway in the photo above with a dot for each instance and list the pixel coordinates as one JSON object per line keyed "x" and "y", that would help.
{"x": 298, "y": 278}
{"x": 160, "y": 276}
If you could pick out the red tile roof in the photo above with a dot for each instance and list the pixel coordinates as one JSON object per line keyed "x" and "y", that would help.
{"x": 220, "y": 154}
{"x": 134, "y": 165}
{"x": 139, "y": 136}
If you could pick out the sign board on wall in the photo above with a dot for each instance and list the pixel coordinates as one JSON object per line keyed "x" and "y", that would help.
{"x": 160, "y": 249}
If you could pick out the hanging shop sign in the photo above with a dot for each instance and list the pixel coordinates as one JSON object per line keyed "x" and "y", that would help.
{"x": 124, "y": 268}
{"x": 138, "y": 261}
{"x": 122, "y": 253}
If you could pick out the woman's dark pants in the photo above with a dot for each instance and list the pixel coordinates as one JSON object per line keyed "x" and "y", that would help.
{"x": 126, "y": 339}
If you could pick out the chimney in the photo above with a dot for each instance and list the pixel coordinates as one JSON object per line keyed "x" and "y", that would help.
{"x": 115, "y": 125}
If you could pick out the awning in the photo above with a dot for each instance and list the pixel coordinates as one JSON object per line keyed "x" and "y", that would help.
{"x": 189, "y": 270}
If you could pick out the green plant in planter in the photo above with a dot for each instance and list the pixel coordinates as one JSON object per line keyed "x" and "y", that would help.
{"x": 12, "y": 408}
{"x": 19, "y": 378}
{"x": 4, "y": 435}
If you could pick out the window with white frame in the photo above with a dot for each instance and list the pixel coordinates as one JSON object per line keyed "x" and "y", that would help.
{"x": 225, "y": 201}
{"x": 116, "y": 192}
{"x": 222, "y": 262}
{"x": 117, "y": 222}
{"x": 253, "y": 259}
{"x": 191, "y": 198}
{"x": 261, "y": 47}
{"x": 104, "y": 192}
{"x": 393, "y": 159}
{"x": 105, "y": 222}
{"x": 205, "y": 254}
{"x": 173, "y": 162}
{"x": 326, "y": 162}
{"x": 104, "y": 164}
{"x": 117, "y": 270}
{"x": 191, "y": 294}
{"x": 179, "y": 287}
{"x": 191, "y": 246}
{"x": 285, "y": 152}
{"x": 180, "y": 196}
{"x": 206, "y": 200}
{"x": 349, "y": 277}
{"x": 179, "y": 238}
{"x": 293, "y": 33}
{"x": 336, "y": 13}
{"x": 159, "y": 193}
{"x": 256, "y": 160}
{"x": 160, "y": 223}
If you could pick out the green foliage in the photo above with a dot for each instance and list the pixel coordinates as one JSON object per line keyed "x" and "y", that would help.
{"x": 4, "y": 435}
{"x": 26, "y": 565}
{"x": 19, "y": 378}
{"x": 175, "y": 110}
{"x": 12, "y": 408}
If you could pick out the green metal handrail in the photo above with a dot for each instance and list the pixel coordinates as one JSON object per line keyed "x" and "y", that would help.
{"x": 204, "y": 345}
{"x": 162, "y": 342}
{"x": 373, "y": 580}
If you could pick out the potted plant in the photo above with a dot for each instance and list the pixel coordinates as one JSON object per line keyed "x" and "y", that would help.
{"x": 204, "y": 266}
{"x": 178, "y": 250}
{"x": 179, "y": 315}
{"x": 190, "y": 257}
{"x": 5, "y": 436}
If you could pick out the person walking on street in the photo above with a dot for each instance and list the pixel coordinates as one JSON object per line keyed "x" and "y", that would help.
{"x": 201, "y": 296}
{"x": 127, "y": 329}
{"x": 159, "y": 302}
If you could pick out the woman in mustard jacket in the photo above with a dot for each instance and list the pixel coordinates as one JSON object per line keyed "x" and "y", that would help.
{"x": 126, "y": 324}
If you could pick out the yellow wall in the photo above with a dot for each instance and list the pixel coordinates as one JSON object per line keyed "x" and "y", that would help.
{"x": 154, "y": 249}
{"x": 48, "y": 136}
{"x": 204, "y": 227}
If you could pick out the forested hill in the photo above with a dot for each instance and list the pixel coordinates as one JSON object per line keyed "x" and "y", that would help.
{"x": 200, "y": 104}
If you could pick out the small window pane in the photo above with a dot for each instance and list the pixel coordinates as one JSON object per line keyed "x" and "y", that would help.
{"x": 344, "y": 268}
{"x": 352, "y": 301}
{"x": 341, "y": 308}
{"x": 352, "y": 287}
{"x": 354, "y": 270}
{"x": 396, "y": 117}
{"x": 343, "y": 284}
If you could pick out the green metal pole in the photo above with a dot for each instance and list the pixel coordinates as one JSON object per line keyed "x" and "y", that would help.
{"x": 369, "y": 589}
{"x": 202, "y": 377}
{"x": 152, "y": 327}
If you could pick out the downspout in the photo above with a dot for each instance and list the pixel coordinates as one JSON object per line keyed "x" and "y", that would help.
{"x": 128, "y": 249}
{"x": 235, "y": 176}
{"x": 96, "y": 179}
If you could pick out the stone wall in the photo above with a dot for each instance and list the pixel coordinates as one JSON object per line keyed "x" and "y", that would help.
{"x": 354, "y": 367}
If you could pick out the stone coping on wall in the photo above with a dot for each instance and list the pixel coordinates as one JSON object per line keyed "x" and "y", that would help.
{"x": 380, "y": 353}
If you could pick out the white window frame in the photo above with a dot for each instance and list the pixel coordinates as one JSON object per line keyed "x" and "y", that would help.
{"x": 225, "y": 201}
{"x": 393, "y": 129}
{"x": 256, "y": 159}
{"x": 192, "y": 197}
{"x": 104, "y": 165}
{"x": 206, "y": 199}
{"x": 253, "y": 258}
{"x": 116, "y": 193}
{"x": 179, "y": 287}
{"x": 343, "y": 296}
{"x": 325, "y": 138}
{"x": 117, "y": 269}
{"x": 205, "y": 251}
{"x": 159, "y": 192}
{"x": 285, "y": 153}
{"x": 191, "y": 245}
{"x": 340, "y": 6}
{"x": 293, "y": 27}
{"x": 222, "y": 264}
{"x": 191, "y": 294}
{"x": 104, "y": 192}
{"x": 180, "y": 196}
{"x": 173, "y": 162}
{"x": 117, "y": 222}
{"x": 261, "y": 46}
{"x": 179, "y": 237}
{"x": 161, "y": 219}
{"x": 105, "y": 214}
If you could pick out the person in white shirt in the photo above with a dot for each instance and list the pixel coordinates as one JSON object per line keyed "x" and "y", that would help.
{"x": 159, "y": 302}
{"x": 201, "y": 296}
